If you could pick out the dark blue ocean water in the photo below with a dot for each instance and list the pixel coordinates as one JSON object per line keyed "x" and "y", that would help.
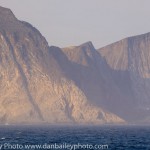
{"x": 113, "y": 137}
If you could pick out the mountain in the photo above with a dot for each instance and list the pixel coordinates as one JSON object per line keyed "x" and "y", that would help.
{"x": 73, "y": 85}
{"x": 36, "y": 81}
{"x": 115, "y": 77}
{"x": 129, "y": 60}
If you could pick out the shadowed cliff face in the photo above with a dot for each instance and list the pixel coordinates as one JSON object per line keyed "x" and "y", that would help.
{"x": 36, "y": 82}
{"x": 99, "y": 82}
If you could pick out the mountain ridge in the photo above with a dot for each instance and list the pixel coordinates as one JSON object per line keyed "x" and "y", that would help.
{"x": 79, "y": 84}
{"x": 36, "y": 86}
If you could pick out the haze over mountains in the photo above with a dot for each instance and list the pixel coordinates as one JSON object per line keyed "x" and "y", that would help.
{"x": 47, "y": 84}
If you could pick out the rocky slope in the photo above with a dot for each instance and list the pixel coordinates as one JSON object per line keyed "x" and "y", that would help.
{"x": 38, "y": 83}
{"x": 79, "y": 84}
{"x": 130, "y": 57}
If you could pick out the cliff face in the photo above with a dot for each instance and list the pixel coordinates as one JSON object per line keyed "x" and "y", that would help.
{"x": 130, "y": 58}
{"x": 46, "y": 84}
{"x": 36, "y": 83}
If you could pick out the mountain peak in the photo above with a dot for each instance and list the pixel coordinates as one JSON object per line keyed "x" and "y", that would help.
{"x": 6, "y": 13}
{"x": 8, "y": 20}
{"x": 84, "y": 46}
{"x": 88, "y": 45}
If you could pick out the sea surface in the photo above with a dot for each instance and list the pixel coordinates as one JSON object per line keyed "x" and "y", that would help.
{"x": 75, "y": 137}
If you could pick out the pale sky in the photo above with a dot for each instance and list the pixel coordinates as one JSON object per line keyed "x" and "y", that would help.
{"x": 73, "y": 22}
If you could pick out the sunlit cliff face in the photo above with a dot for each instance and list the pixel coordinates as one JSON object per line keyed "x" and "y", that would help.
{"x": 78, "y": 85}
{"x": 36, "y": 84}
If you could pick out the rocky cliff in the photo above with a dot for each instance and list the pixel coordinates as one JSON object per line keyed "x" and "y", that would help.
{"x": 130, "y": 58}
{"x": 36, "y": 82}
{"x": 79, "y": 84}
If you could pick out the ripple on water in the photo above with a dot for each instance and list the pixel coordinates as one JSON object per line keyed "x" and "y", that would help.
{"x": 117, "y": 138}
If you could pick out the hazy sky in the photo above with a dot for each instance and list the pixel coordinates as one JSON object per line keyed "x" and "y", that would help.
{"x": 72, "y": 22}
